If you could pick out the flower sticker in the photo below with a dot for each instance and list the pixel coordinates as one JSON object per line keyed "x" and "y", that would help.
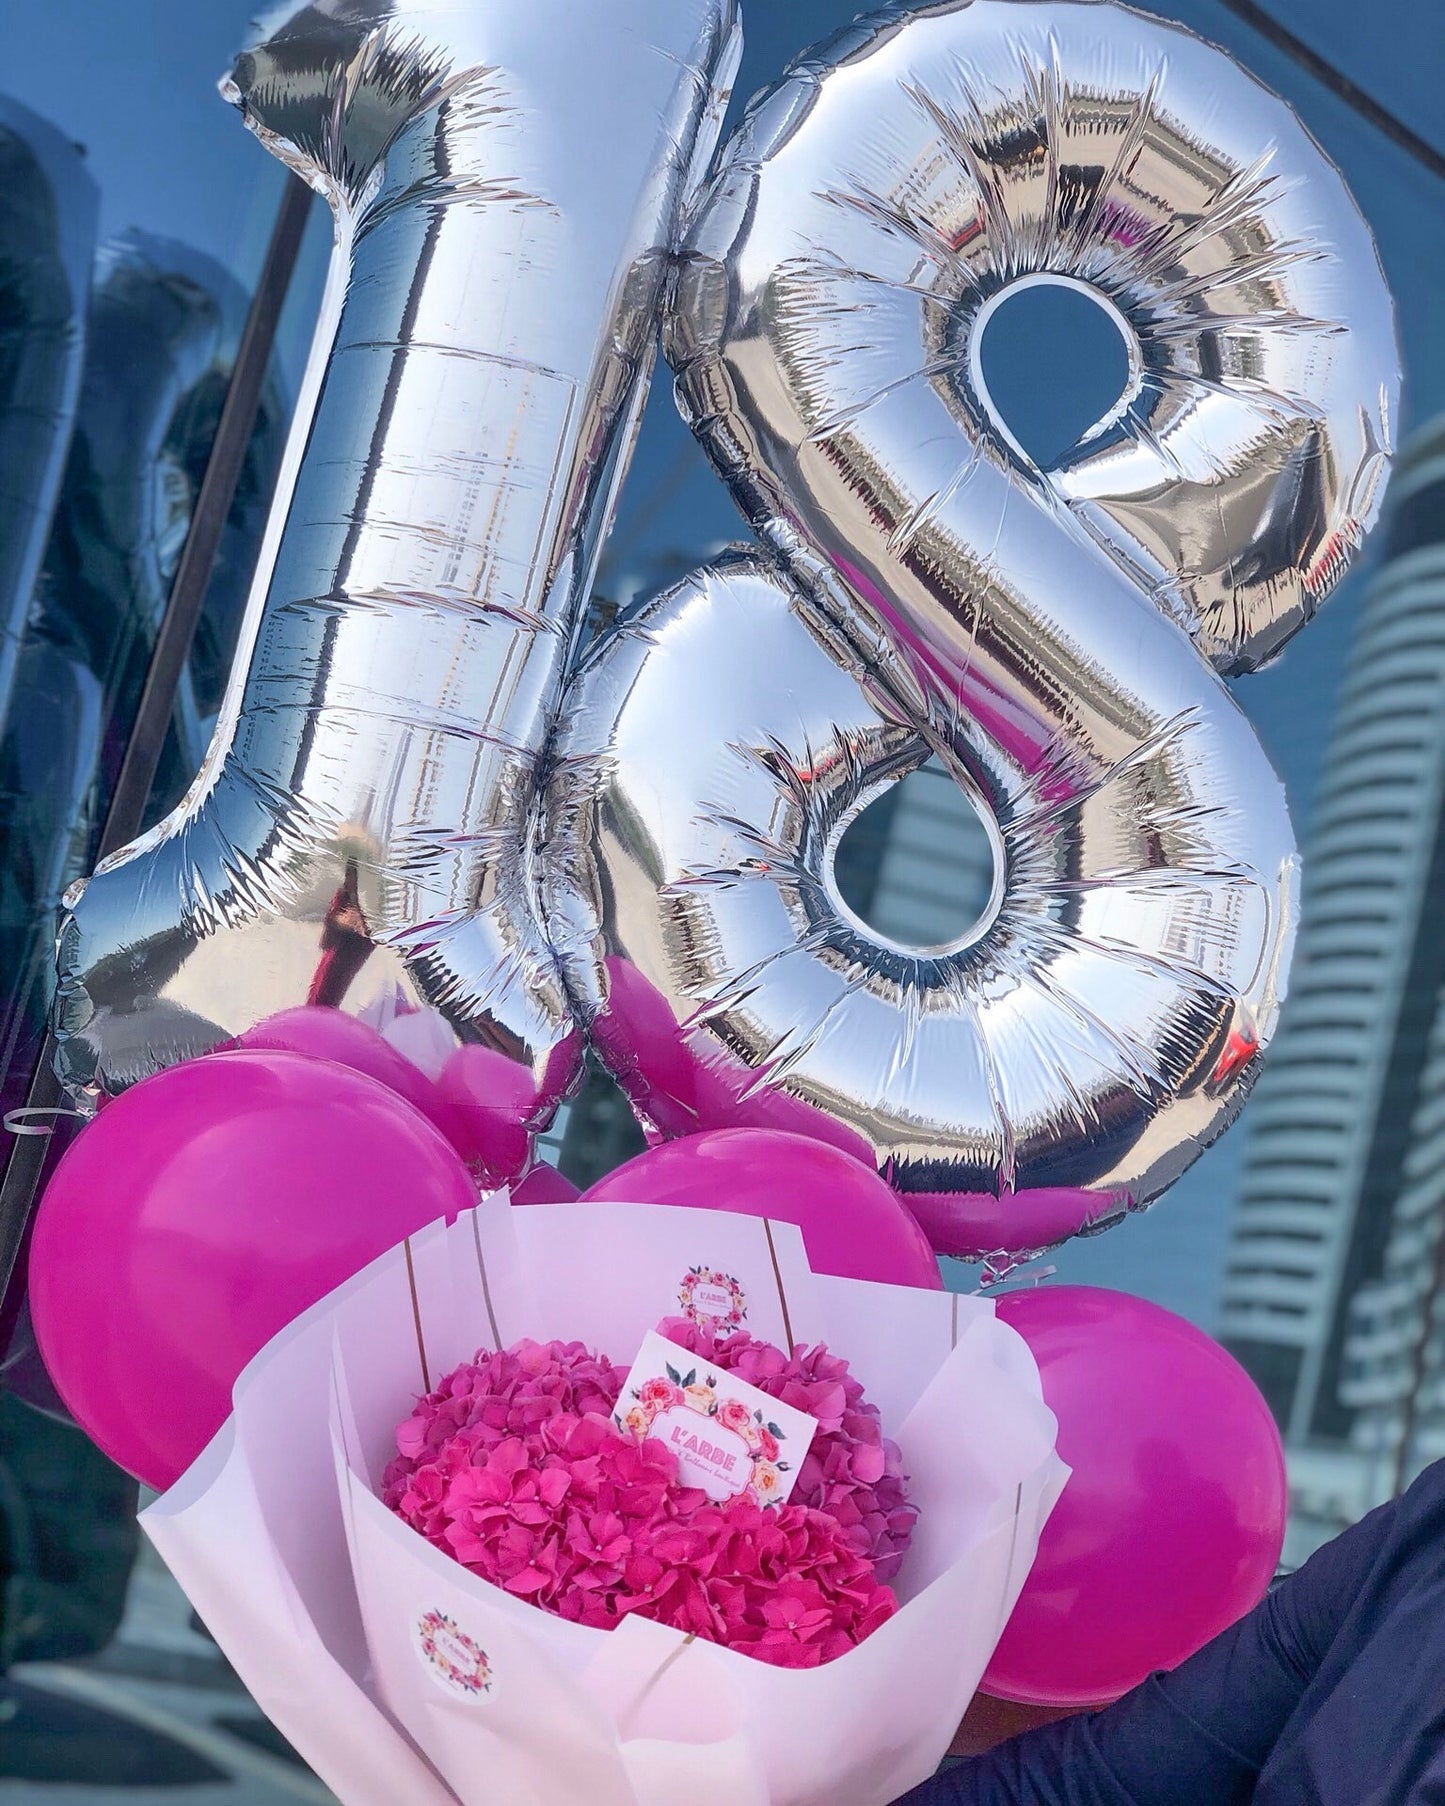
{"x": 455, "y": 1661}
{"x": 733, "y": 1414}
{"x": 657, "y": 1394}
{"x": 712, "y": 1300}
{"x": 728, "y": 1436}
{"x": 637, "y": 1421}
{"x": 767, "y": 1483}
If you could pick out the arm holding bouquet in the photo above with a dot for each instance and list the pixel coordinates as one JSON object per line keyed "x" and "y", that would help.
{"x": 1326, "y": 1692}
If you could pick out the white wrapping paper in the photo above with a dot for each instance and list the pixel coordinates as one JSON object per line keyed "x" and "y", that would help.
{"x": 404, "y": 1679}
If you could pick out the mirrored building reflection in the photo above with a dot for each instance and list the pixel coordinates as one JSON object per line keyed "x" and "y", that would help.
{"x": 161, "y": 328}
{"x": 125, "y": 290}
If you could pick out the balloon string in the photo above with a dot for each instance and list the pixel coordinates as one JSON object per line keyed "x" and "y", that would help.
{"x": 1006, "y": 1269}
{"x": 15, "y": 1123}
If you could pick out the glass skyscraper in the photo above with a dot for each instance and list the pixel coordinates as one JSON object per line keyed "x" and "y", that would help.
{"x": 1340, "y": 1118}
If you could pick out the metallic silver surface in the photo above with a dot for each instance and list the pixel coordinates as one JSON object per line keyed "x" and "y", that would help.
{"x": 1049, "y": 634}
{"x": 505, "y": 176}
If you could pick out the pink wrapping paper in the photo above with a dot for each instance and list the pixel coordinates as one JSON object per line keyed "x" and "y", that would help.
{"x": 400, "y": 1676}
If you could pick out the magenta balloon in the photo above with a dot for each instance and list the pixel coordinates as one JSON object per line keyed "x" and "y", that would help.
{"x": 680, "y": 1085}
{"x": 323, "y": 1033}
{"x": 493, "y": 1099}
{"x": 1171, "y": 1525}
{"x": 853, "y": 1224}
{"x": 544, "y": 1185}
{"x": 197, "y": 1216}
{"x": 975, "y": 1225}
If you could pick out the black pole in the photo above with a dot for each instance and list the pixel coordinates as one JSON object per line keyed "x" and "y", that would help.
{"x": 1353, "y": 95}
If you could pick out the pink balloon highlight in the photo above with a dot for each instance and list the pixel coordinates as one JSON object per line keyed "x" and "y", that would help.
{"x": 853, "y": 1224}
{"x": 1171, "y": 1525}
{"x": 199, "y": 1215}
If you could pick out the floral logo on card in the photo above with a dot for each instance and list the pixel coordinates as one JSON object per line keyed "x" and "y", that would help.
{"x": 455, "y": 1660}
{"x": 713, "y": 1300}
{"x": 720, "y": 1444}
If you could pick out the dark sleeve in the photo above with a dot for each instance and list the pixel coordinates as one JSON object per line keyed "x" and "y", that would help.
{"x": 68, "y": 1537}
{"x": 1202, "y": 1732}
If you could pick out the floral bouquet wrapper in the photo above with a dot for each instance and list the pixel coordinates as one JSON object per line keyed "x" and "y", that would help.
{"x": 401, "y": 1676}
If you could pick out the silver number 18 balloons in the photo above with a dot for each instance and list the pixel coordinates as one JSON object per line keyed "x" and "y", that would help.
{"x": 506, "y": 179}
{"x": 1053, "y": 636}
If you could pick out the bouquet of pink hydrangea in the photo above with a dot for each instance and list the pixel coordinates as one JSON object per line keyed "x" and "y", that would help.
{"x": 528, "y": 1467}
{"x": 442, "y": 1544}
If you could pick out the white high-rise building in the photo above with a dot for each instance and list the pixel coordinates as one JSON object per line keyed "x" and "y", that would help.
{"x": 1337, "y": 1159}
{"x": 936, "y": 872}
{"x": 1394, "y": 1368}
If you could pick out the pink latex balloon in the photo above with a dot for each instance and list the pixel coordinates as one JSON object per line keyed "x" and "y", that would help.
{"x": 853, "y": 1224}
{"x": 492, "y": 1098}
{"x": 1172, "y": 1524}
{"x": 680, "y": 1085}
{"x": 323, "y": 1033}
{"x": 975, "y": 1225}
{"x": 201, "y": 1213}
{"x": 544, "y": 1185}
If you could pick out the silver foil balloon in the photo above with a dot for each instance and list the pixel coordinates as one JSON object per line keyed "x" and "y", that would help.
{"x": 506, "y": 177}
{"x": 1052, "y": 636}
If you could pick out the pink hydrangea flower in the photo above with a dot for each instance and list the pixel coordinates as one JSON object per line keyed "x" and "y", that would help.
{"x": 852, "y": 1472}
{"x": 497, "y": 1396}
{"x": 779, "y": 1583}
{"x": 559, "y": 1508}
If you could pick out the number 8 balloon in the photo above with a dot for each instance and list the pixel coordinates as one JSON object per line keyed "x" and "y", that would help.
{"x": 504, "y": 217}
{"x": 1054, "y": 637}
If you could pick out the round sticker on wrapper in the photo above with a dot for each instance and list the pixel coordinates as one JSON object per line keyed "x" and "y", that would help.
{"x": 712, "y": 1300}
{"x": 455, "y": 1661}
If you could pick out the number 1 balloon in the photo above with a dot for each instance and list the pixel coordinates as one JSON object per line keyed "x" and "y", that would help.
{"x": 505, "y": 180}
{"x": 1053, "y": 636}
